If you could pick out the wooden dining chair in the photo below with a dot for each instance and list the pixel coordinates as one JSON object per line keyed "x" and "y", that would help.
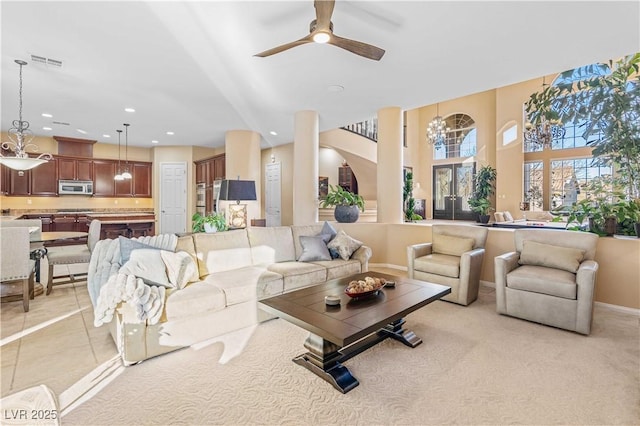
{"x": 15, "y": 263}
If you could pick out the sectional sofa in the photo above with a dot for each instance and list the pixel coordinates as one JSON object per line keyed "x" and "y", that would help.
{"x": 235, "y": 269}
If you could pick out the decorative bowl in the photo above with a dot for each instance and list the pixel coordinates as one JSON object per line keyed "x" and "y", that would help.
{"x": 363, "y": 288}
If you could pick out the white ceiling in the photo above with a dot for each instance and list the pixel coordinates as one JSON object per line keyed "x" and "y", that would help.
{"x": 188, "y": 67}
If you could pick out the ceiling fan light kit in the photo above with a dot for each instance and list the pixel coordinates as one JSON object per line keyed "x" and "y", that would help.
{"x": 321, "y": 31}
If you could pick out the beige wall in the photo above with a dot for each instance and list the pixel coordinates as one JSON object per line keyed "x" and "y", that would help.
{"x": 618, "y": 281}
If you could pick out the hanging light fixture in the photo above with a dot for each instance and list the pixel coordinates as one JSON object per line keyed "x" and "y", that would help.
{"x": 20, "y": 138}
{"x": 546, "y": 129}
{"x": 126, "y": 174}
{"x": 437, "y": 130}
{"x": 118, "y": 176}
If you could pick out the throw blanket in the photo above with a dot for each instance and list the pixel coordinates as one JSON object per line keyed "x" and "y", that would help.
{"x": 148, "y": 301}
{"x": 103, "y": 269}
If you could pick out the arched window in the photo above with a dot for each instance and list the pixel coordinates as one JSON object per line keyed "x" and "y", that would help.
{"x": 461, "y": 138}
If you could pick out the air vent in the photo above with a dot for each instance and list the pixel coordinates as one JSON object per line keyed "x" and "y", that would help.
{"x": 46, "y": 61}
{"x": 60, "y": 123}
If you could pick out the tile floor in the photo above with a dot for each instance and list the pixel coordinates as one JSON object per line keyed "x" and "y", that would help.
{"x": 56, "y": 335}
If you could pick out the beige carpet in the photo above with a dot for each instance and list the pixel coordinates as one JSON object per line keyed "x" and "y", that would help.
{"x": 474, "y": 367}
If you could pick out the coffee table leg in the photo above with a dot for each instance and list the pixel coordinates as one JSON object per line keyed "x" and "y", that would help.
{"x": 395, "y": 331}
{"x": 323, "y": 359}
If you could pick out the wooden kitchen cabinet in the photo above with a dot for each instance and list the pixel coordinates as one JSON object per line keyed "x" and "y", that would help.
{"x": 20, "y": 183}
{"x": 75, "y": 168}
{"x": 211, "y": 169}
{"x": 45, "y": 218}
{"x": 347, "y": 179}
{"x": 4, "y": 180}
{"x": 44, "y": 179}
{"x": 103, "y": 173}
{"x": 219, "y": 168}
{"x": 201, "y": 172}
{"x": 142, "y": 178}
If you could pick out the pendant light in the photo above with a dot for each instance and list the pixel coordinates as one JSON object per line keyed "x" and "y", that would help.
{"x": 20, "y": 138}
{"x": 126, "y": 174}
{"x": 118, "y": 176}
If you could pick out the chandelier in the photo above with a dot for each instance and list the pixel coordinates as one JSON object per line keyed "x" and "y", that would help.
{"x": 20, "y": 139}
{"x": 437, "y": 130}
{"x": 545, "y": 130}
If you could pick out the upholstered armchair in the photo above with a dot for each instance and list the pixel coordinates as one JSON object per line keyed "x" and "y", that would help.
{"x": 453, "y": 258}
{"x": 15, "y": 264}
{"x": 549, "y": 279}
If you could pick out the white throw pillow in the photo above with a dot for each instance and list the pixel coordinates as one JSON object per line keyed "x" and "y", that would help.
{"x": 344, "y": 245}
{"x": 181, "y": 268}
{"x": 148, "y": 265}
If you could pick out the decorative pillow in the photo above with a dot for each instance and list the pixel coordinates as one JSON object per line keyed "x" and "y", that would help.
{"x": 508, "y": 217}
{"x": 540, "y": 254}
{"x": 454, "y": 246}
{"x": 313, "y": 248}
{"x": 181, "y": 268}
{"x": 499, "y": 216}
{"x": 344, "y": 245}
{"x": 127, "y": 246}
{"x": 148, "y": 265}
{"x": 328, "y": 229}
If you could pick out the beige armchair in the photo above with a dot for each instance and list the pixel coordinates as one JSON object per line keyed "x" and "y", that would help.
{"x": 15, "y": 264}
{"x": 549, "y": 279}
{"x": 453, "y": 258}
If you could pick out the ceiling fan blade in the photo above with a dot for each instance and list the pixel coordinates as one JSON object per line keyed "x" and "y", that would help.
{"x": 324, "y": 10}
{"x": 284, "y": 47}
{"x": 357, "y": 47}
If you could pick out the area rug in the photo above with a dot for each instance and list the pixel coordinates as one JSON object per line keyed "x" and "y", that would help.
{"x": 474, "y": 367}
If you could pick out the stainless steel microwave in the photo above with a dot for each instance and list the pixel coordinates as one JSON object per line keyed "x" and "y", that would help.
{"x": 75, "y": 187}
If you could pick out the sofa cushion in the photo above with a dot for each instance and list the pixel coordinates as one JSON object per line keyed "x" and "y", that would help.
{"x": 195, "y": 299}
{"x": 306, "y": 230}
{"x": 539, "y": 279}
{"x": 313, "y": 249}
{"x": 344, "y": 244}
{"x": 241, "y": 285}
{"x": 507, "y": 216}
{"x": 448, "y": 244}
{"x": 540, "y": 254}
{"x": 499, "y": 216}
{"x": 328, "y": 229}
{"x": 439, "y": 264}
{"x": 181, "y": 268}
{"x": 148, "y": 265}
{"x": 299, "y": 274}
{"x": 222, "y": 251}
{"x": 271, "y": 244}
{"x": 127, "y": 246}
{"x": 339, "y": 268}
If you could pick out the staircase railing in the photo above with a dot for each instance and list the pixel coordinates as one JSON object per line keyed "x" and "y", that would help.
{"x": 367, "y": 129}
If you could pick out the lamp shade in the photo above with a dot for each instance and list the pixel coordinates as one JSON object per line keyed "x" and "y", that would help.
{"x": 238, "y": 190}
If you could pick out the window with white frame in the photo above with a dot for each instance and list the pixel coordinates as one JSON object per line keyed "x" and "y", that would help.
{"x": 570, "y": 177}
{"x": 533, "y": 184}
{"x": 460, "y": 140}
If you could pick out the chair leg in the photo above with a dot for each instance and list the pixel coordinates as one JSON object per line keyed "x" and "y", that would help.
{"x": 50, "y": 279}
{"x": 25, "y": 294}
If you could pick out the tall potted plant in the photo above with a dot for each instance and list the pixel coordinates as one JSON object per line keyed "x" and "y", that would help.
{"x": 409, "y": 202}
{"x": 347, "y": 204}
{"x": 483, "y": 188}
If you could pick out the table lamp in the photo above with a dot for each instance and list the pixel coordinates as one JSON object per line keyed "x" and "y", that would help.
{"x": 238, "y": 190}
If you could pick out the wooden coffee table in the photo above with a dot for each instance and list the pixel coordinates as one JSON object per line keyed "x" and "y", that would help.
{"x": 338, "y": 333}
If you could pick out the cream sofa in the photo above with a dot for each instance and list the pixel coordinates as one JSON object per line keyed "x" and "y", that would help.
{"x": 236, "y": 268}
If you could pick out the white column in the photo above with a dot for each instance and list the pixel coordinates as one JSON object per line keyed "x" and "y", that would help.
{"x": 305, "y": 167}
{"x": 242, "y": 158}
{"x": 389, "y": 172}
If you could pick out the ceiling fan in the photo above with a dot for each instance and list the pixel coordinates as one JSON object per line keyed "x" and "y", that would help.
{"x": 321, "y": 31}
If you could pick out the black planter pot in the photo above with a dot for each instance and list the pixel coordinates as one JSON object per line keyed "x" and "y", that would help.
{"x": 346, "y": 214}
{"x": 636, "y": 226}
{"x": 483, "y": 218}
{"x": 610, "y": 225}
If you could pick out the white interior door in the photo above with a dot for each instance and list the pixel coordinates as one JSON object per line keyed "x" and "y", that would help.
{"x": 272, "y": 192}
{"x": 173, "y": 198}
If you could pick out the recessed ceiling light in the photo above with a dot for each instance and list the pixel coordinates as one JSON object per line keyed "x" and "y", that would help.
{"x": 335, "y": 88}
{"x": 170, "y": 133}
{"x": 154, "y": 141}
{"x": 106, "y": 136}
{"x": 273, "y": 133}
{"x": 81, "y": 131}
{"x": 130, "y": 110}
{"x": 44, "y": 114}
{"x": 46, "y": 128}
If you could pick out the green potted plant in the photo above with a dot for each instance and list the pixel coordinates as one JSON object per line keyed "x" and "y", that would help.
{"x": 347, "y": 204}
{"x": 212, "y": 222}
{"x": 483, "y": 188}
{"x": 409, "y": 202}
